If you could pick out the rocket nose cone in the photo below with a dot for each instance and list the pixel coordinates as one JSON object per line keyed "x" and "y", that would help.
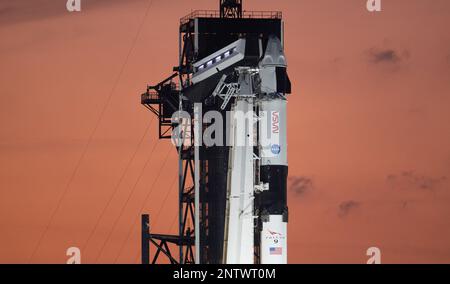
{"x": 274, "y": 55}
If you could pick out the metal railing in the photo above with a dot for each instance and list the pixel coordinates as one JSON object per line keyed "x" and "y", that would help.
{"x": 149, "y": 96}
{"x": 245, "y": 14}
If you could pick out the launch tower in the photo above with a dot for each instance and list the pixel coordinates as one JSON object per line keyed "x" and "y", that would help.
{"x": 232, "y": 196}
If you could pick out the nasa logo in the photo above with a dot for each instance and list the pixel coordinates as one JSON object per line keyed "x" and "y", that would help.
{"x": 276, "y": 149}
{"x": 275, "y": 122}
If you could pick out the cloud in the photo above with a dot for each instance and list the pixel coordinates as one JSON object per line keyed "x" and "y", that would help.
{"x": 347, "y": 206}
{"x": 409, "y": 180}
{"x": 300, "y": 185}
{"x": 391, "y": 56}
{"x": 388, "y": 55}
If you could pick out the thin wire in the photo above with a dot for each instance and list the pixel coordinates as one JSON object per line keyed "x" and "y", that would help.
{"x": 141, "y": 174}
{"x": 168, "y": 192}
{"x": 173, "y": 222}
{"x": 164, "y": 202}
{"x": 145, "y": 200}
{"x": 170, "y": 229}
{"x": 116, "y": 188}
{"x": 90, "y": 139}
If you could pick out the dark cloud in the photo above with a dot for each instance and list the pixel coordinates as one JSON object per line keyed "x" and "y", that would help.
{"x": 300, "y": 185}
{"x": 390, "y": 56}
{"x": 384, "y": 55}
{"x": 417, "y": 111}
{"x": 337, "y": 60}
{"x": 409, "y": 180}
{"x": 347, "y": 206}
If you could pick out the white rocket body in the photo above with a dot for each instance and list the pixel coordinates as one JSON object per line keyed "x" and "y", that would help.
{"x": 274, "y": 241}
{"x": 272, "y": 131}
{"x": 240, "y": 233}
{"x": 257, "y": 194}
{"x": 273, "y": 155}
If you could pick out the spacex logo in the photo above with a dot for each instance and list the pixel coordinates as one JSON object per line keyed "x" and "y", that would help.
{"x": 274, "y": 233}
{"x": 274, "y": 236}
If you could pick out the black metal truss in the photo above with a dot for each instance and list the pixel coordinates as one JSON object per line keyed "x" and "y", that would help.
{"x": 185, "y": 240}
{"x": 162, "y": 100}
{"x": 155, "y": 99}
{"x": 161, "y": 243}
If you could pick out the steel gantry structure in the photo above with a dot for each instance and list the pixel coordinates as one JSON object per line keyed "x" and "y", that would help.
{"x": 203, "y": 172}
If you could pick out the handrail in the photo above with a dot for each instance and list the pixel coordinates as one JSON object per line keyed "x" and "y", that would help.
{"x": 149, "y": 96}
{"x": 245, "y": 14}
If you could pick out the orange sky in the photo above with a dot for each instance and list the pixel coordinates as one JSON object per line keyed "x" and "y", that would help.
{"x": 369, "y": 146}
